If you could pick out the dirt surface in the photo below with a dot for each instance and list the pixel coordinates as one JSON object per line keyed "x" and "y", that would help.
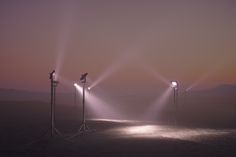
{"x": 116, "y": 138}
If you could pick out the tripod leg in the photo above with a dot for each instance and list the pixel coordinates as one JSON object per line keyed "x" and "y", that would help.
{"x": 87, "y": 127}
{"x": 57, "y": 132}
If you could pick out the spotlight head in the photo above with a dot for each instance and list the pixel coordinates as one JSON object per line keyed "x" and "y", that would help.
{"x": 75, "y": 84}
{"x": 89, "y": 88}
{"x": 83, "y": 77}
{"x": 52, "y": 74}
{"x": 174, "y": 84}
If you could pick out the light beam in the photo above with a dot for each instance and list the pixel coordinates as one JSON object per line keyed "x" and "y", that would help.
{"x": 67, "y": 19}
{"x": 159, "y": 131}
{"x": 157, "y": 106}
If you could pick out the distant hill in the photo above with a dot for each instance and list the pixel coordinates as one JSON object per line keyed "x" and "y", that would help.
{"x": 68, "y": 98}
{"x": 225, "y": 88}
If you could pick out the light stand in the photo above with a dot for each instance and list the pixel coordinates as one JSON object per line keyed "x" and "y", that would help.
{"x": 83, "y": 127}
{"x": 53, "y": 130}
{"x": 174, "y": 85}
{"x": 54, "y": 84}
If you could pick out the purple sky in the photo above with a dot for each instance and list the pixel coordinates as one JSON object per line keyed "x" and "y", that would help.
{"x": 183, "y": 40}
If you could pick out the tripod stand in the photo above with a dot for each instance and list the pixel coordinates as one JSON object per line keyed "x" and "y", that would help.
{"x": 83, "y": 127}
{"x": 54, "y": 131}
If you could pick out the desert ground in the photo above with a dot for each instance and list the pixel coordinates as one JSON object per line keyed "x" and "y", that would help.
{"x": 28, "y": 134}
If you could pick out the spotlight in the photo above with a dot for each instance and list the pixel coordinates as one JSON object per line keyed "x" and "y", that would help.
{"x": 89, "y": 88}
{"x": 51, "y": 75}
{"x": 53, "y": 85}
{"x": 84, "y": 127}
{"x": 174, "y": 84}
{"x": 83, "y": 78}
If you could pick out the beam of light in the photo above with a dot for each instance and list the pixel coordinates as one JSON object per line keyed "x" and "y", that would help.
{"x": 156, "y": 107}
{"x": 78, "y": 88}
{"x": 115, "y": 120}
{"x": 129, "y": 55}
{"x": 200, "y": 80}
{"x": 67, "y": 19}
{"x": 154, "y": 73}
{"x": 102, "y": 108}
{"x": 64, "y": 81}
{"x": 159, "y": 131}
{"x": 68, "y": 85}
{"x": 145, "y": 129}
{"x": 116, "y": 66}
{"x": 96, "y": 104}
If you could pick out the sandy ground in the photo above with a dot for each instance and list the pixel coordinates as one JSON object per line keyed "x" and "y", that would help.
{"x": 116, "y": 138}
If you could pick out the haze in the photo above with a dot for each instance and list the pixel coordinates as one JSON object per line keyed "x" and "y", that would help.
{"x": 181, "y": 40}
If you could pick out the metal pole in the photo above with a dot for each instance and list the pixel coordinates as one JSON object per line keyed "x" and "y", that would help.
{"x": 175, "y": 104}
{"x": 75, "y": 96}
{"x": 52, "y": 108}
{"x": 54, "y": 104}
{"x": 83, "y": 127}
{"x": 174, "y": 107}
{"x": 83, "y": 102}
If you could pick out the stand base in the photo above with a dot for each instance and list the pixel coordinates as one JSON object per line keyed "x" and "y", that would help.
{"x": 84, "y": 128}
{"x": 49, "y": 135}
{"x": 56, "y": 132}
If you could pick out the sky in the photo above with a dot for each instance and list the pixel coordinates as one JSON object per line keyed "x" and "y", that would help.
{"x": 133, "y": 44}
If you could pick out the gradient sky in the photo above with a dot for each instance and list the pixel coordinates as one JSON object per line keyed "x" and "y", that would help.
{"x": 183, "y": 40}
